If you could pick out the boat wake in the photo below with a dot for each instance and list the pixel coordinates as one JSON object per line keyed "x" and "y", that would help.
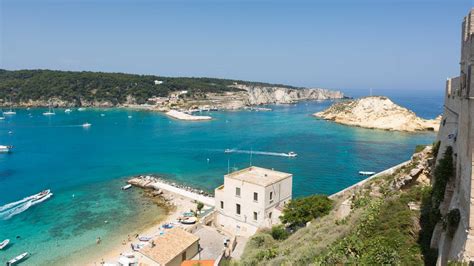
{"x": 281, "y": 154}
{"x": 9, "y": 210}
{"x": 13, "y": 204}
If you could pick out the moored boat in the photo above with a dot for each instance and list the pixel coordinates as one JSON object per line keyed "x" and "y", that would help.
{"x": 68, "y": 110}
{"x": 188, "y": 220}
{"x": 126, "y": 187}
{"x": 18, "y": 259}
{"x": 368, "y": 173}
{"x": 5, "y": 148}
{"x": 4, "y": 243}
{"x": 10, "y": 112}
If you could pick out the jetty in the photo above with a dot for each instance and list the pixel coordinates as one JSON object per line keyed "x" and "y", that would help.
{"x": 158, "y": 184}
{"x": 183, "y": 116}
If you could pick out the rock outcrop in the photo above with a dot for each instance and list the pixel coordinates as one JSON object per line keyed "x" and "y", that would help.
{"x": 281, "y": 95}
{"x": 379, "y": 113}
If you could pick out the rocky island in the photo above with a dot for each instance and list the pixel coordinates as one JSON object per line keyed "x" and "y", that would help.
{"x": 377, "y": 112}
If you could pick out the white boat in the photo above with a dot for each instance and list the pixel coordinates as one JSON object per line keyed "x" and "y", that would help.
{"x": 5, "y": 148}
{"x": 292, "y": 154}
{"x": 42, "y": 196}
{"x": 68, "y": 110}
{"x": 17, "y": 259}
{"x": 144, "y": 238}
{"x": 4, "y": 243}
{"x": 2, "y": 118}
{"x": 81, "y": 109}
{"x": 49, "y": 112}
{"x": 368, "y": 173}
{"x": 10, "y": 112}
{"x": 86, "y": 125}
{"x": 126, "y": 187}
{"x": 188, "y": 220}
{"x": 228, "y": 151}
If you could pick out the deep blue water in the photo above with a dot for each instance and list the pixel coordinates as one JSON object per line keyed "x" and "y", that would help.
{"x": 91, "y": 164}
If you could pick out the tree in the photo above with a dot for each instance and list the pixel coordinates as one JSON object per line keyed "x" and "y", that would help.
{"x": 300, "y": 211}
{"x": 199, "y": 207}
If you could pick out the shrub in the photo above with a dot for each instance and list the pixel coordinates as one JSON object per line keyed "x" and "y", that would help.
{"x": 300, "y": 211}
{"x": 419, "y": 148}
{"x": 452, "y": 221}
{"x": 443, "y": 172}
{"x": 279, "y": 232}
{"x": 436, "y": 148}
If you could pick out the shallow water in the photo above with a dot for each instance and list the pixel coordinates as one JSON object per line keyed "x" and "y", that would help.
{"x": 91, "y": 164}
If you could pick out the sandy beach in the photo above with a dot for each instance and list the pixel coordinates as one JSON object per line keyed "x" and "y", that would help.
{"x": 183, "y": 116}
{"x": 181, "y": 201}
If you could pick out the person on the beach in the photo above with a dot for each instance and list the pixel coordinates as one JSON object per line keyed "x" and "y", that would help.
{"x": 98, "y": 240}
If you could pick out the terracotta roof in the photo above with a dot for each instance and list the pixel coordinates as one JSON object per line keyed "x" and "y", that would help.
{"x": 169, "y": 245}
{"x": 197, "y": 263}
{"x": 258, "y": 176}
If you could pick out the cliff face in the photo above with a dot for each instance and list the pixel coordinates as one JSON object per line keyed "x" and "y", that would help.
{"x": 379, "y": 113}
{"x": 271, "y": 95}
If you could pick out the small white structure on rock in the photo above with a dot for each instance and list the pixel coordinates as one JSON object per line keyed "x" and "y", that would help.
{"x": 250, "y": 199}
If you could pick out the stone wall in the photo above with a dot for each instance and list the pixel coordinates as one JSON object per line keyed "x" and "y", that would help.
{"x": 457, "y": 131}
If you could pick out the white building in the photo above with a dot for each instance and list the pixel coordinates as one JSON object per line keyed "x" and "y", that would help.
{"x": 250, "y": 199}
{"x": 158, "y": 82}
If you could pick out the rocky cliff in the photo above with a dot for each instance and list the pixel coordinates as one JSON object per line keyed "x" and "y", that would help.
{"x": 271, "y": 95}
{"x": 379, "y": 113}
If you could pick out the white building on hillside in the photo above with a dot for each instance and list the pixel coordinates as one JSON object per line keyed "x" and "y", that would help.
{"x": 250, "y": 199}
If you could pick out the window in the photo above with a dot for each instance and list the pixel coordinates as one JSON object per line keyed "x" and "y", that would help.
{"x": 271, "y": 197}
{"x": 237, "y": 191}
{"x": 270, "y": 215}
{"x": 255, "y": 216}
{"x": 237, "y": 209}
{"x": 255, "y": 196}
{"x": 222, "y": 205}
{"x": 183, "y": 256}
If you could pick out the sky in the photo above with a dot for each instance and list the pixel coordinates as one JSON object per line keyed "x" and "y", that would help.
{"x": 397, "y": 45}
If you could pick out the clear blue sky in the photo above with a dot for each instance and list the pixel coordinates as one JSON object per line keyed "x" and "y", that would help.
{"x": 383, "y": 44}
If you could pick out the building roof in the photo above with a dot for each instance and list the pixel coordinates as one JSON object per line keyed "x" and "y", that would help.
{"x": 198, "y": 263}
{"x": 174, "y": 242}
{"x": 258, "y": 176}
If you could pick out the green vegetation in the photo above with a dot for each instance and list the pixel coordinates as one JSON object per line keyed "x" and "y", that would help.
{"x": 199, "y": 206}
{"x": 384, "y": 234}
{"x": 300, "y": 211}
{"x": 279, "y": 232}
{"x": 419, "y": 148}
{"x": 77, "y": 87}
{"x": 452, "y": 221}
{"x": 436, "y": 148}
{"x": 430, "y": 213}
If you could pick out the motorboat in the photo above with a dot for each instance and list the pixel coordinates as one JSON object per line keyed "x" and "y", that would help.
{"x": 367, "y": 173}
{"x": 292, "y": 154}
{"x": 4, "y": 243}
{"x": 86, "y": 125}
{"x": 5, "y": 148}
{"x": 68, "y": 110}
{"x": 144, "y": 238}
{"x": 228, "y": 151}
{"x": 188, "y": 220}
{"x": 81, "y": 109}
{"x": 126, "y": 187}
{"x": 42, "y": 196}
{"x": 18, "y": 259}
{"x": 2, "y": 118}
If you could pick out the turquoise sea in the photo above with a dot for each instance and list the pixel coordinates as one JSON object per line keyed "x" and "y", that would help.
{"x": 85, "y": 168}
